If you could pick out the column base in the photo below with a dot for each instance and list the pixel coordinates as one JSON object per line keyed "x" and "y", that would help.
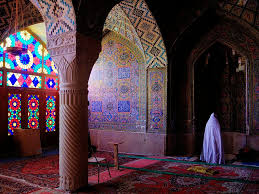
{"x": 72, "y": 183}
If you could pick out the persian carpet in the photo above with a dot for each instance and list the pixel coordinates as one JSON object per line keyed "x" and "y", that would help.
{"x": 157, "y": 179}
{"x": 8, "y": 185}
{"x": 44, "y": 170}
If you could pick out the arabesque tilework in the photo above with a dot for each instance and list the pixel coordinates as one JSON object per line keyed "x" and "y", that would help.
{"x": 115, "y": 86}
{"x": 157, "y": 100}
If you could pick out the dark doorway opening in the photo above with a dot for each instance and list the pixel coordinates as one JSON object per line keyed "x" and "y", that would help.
{"x": 220, "y": 86}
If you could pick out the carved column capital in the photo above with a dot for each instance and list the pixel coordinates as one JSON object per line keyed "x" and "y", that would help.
{"x": 62, "y": 44}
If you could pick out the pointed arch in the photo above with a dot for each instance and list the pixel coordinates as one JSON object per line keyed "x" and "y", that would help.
{"x": 234, "y": 36}
{"x": 118, "y": 22}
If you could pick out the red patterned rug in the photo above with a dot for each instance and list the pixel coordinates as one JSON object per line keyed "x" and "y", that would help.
{"x": 8, "y": 185}
{"x": 151, "y": 182}
{"x": 228, "y": 172}
{"x": 44, "y": 171}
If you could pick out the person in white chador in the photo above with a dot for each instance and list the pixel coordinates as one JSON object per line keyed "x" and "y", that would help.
{"x": 212, "y": 151}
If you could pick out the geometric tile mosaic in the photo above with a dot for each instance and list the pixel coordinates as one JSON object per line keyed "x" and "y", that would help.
{"x": 246, "y": 10}
{"x": 118, "y": 22}
{"x": 148, "y": 31}
{"x": 59, "y": 16}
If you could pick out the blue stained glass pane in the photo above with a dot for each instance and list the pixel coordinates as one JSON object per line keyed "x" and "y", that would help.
{"x": 13, "y": 79}
{"x": 35, "y": 81}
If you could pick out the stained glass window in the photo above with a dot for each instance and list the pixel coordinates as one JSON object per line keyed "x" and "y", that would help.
{"x": 1, "y": 78}
{"x": 48, "y": 65}
{"x": 33, "y": 111}
{"x": 27, "y": 62}
{"x": 14, "y": 112}
{"x": 50, "y": 113}
{"x": 1, "y": 55}
{"x": 31, "y": 61}
{"x": 23, "y": 80}
{"x": 51, "y": 83}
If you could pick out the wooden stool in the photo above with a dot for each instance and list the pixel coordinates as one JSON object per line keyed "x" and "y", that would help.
{"x": 115, "y": 152}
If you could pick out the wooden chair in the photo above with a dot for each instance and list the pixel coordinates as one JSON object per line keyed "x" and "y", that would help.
{"x": 98, "y": 160}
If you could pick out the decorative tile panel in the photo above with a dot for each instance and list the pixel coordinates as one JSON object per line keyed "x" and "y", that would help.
{"x": 115, "y": 94}
{"x": 157, "y": 100}
{"x": 246, "y": 10}
{"x": 118, "y": 22}
{"x": 60, "y": 16}
{"x": 148, "y": 31}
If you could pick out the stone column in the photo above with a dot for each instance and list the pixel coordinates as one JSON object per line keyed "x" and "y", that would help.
{"x": 73, "y": 136}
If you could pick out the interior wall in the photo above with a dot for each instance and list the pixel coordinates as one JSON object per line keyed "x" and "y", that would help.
{"x": 115, "y": 88}
{"x": 127, "y": 102}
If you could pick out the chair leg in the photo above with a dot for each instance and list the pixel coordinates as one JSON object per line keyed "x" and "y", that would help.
{"x": 107, "y": 164}
{"x": 98, "y": 172}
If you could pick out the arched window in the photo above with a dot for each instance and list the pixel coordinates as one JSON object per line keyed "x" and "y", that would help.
{"x": 31, "y": 81}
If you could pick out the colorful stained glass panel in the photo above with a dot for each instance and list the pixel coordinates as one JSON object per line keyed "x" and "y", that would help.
{"x": 1, "y": 78}
{"x": 29, "y": 61}
{"x": 48, "y": 65}
{"x": 33, "y": 111}
{"x": 51, "y": 83}
{"x": 23, "y": 80}
{"x": 1, "y": 55}
{"x": 50, "y": 113}
{"x": 14, "y": 112}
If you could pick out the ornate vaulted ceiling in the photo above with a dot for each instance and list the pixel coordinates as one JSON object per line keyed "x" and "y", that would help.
{"x": 30, "y": 15}
{"x": 118, "y": 22}
{"x": 247, "y": 10}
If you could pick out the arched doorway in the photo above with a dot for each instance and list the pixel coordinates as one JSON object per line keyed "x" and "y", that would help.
{"x": 220, "y": 85}
{"x": 235, "y": 93}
